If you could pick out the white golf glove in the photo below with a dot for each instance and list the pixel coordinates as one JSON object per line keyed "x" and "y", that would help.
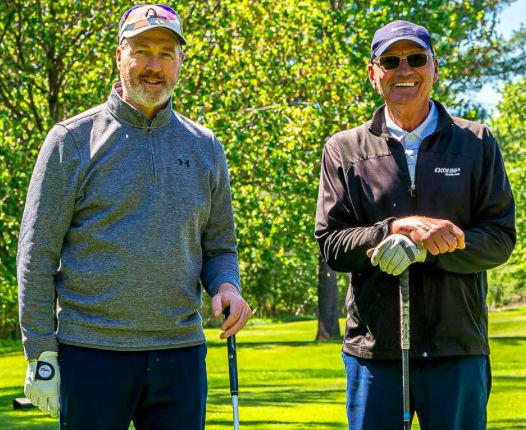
{"x": 396, "y": 252}
{"x": 43, "y": 383}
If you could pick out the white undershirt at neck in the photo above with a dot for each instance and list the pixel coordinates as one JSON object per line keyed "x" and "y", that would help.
{"x": 412, "y": 140}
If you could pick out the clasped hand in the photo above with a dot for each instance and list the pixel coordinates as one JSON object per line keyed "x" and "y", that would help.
{"x": 395, "y": 253}
{"x": 436, "y": 235}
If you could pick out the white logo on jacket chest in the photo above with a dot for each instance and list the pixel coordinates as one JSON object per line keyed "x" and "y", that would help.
{"x": 448, "y": 171}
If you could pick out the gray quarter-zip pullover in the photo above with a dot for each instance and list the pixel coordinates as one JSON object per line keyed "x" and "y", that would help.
{"x": 121, "y": 221}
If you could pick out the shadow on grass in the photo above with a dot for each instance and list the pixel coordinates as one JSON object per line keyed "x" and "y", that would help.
{"x": 505, "y": 384}
{"x": 286, "y": 375}
{"x": 11, "y": 347}
{"x": 280, "y": 397}
{"x": 518, "y": 423}
{"x": 8, "y": 352}
{"x": 27, "y": 420}
{"x": 7, "y": 394}
{"x": 508, "y": 340}
{"x": 257, "y": 345}
{"x": 21, "y": 419}
{"x": 250, "y": 424}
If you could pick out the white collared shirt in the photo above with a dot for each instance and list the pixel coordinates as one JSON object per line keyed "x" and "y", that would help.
{"x": 412, "y": 140}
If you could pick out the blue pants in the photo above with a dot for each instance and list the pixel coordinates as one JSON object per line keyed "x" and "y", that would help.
{"x": 446, "y": 393}
{"x": 157, "y": 390}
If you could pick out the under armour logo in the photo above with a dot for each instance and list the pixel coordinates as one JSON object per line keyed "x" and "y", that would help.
{"x": 181, "y": 162}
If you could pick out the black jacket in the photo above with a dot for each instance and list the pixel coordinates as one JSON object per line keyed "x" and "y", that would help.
{"x": 460, "y": 177}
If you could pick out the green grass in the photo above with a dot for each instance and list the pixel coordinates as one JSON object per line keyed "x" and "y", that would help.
{"x": 289, "y": 382}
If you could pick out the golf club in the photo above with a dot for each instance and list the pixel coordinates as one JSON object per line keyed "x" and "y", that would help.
{"x": 404, "y": 340}
{"x": 232, "y": 370}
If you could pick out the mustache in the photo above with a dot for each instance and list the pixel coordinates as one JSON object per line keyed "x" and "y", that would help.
{"x": 149, "y": 76}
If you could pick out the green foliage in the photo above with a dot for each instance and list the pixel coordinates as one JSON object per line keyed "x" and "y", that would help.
{"x": 509, "y": 281}
{"x": 272, "y": 79}
{"x": 56, "y": 61}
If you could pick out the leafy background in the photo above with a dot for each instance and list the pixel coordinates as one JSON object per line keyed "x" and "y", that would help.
{"x": 273, "y": 79}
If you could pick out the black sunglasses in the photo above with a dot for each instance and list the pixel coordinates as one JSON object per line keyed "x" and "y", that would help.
{"x": 392, "y": 62}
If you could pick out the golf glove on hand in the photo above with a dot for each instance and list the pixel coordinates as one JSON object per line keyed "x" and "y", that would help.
{"x": 43, "y": 383}
{"x": 396, "y": 253}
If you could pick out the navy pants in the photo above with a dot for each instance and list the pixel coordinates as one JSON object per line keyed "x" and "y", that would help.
{"x": 157, "y": 390}
{"x": 446, "y": 393}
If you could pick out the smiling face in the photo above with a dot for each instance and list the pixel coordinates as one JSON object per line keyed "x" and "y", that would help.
{"x": 149, "y": 65}
{"x": 405, "y": 87}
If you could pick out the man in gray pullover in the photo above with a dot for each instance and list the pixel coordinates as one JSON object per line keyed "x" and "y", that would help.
{"x": 128, "y": 208}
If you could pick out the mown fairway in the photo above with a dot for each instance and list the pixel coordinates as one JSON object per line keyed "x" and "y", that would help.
{"x": 289, "y": 382}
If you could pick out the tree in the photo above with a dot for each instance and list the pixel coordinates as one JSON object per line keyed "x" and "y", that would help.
{"x": 272, "y": 79}
{"x": 328, "y": 313}
{"x": 45, "y": 49}
{"x": 508, "y": 281}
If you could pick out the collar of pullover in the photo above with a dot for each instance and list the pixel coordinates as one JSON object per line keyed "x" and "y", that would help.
{"x": 378, "y": 125}
{"x": 133, "y": 116}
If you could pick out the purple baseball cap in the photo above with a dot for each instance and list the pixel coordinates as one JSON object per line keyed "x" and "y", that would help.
{"x": 396, "y": 31}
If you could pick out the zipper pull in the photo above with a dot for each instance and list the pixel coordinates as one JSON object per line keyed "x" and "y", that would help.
{"x": 413, "y": 190}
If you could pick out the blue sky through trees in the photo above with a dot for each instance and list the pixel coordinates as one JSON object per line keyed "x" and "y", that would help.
{"x": 511, "y": 19}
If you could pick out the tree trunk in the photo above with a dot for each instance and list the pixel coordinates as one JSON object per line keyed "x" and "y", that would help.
{"x": 328, "y": 326}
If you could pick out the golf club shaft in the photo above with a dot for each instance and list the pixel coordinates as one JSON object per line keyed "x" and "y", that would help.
{"x": 405, "y": 343}
{"x": 236, "y": 412}
{"x": 232, "y": 372}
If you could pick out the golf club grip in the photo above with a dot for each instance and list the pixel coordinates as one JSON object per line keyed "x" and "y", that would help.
{"x": 232, "y": 365}
{"x": 404, "y": 309}
{"x": 232, "y": 360}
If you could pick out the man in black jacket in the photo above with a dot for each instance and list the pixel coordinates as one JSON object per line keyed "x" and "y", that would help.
{"x": 415, "y": 178}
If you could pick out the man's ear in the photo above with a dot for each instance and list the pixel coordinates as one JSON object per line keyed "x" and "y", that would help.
{"x": 118, "y": 54}
{"x": 370, "y": 72}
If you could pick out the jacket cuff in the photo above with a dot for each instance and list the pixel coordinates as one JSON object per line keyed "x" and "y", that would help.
{"x": 33, "y": 348}
{"x": 430, "y": 258}
{"x": 214, "y": 288}
{"x": 381, "y": 230}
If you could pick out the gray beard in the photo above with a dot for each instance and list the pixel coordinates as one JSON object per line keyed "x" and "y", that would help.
{"x": 146, "y": 97}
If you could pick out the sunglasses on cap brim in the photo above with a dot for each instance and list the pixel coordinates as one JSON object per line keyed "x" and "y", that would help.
{"x": 166, "y": 13}
{"x": 392, "y": 62}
